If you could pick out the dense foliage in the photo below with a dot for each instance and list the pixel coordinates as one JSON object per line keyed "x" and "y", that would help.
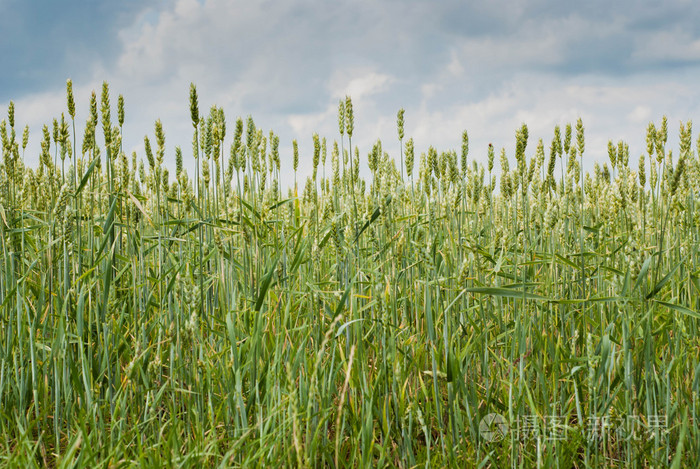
{"x": 216, "y": 320}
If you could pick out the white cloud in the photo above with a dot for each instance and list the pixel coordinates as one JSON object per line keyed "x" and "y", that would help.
{"x": 366, "y": 85}
{"x": 640, "y": 114}
{"x": 486, "y": 69}
{"x": 609, "y": 110}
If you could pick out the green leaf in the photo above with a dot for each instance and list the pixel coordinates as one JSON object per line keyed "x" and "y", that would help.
{"x": 626, "y": 283}
{"x": 567, "y": 262}
{"x": 679, "y": 308}
{"x": 344, "y": 326}
{"x": 452, "y": 367}
{"x": 497, "y": 267}
{"x": 600, "y": 299}
{"x": 108, "y": 225}
{"x": 374, "y": 216}
{"x": 342, "y": 301}
{"x": 696, "y": 283}
{"x": 678, "y": 458}
{"x": 663, "y": 281}
{"x": 87, "y": 174}
{"x": 3, "y": 216}
{"x": 81, "y": 311}
{"x": 643, "y": 272}
{"x": 265, "y": 285}
{"x": 506, "y": 293}
{"x": 279, "y": 204}
{"x": 302, "y": 244}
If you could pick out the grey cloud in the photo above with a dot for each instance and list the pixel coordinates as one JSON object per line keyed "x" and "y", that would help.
{"x": 45, "y": 42}
{"x": 593, "y": 37}
{"x": 452, "y": 65}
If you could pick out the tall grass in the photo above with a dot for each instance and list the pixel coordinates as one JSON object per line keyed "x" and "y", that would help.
{"x": 219, "y": 321}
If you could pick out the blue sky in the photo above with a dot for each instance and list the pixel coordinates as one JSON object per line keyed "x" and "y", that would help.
{"x": 485, "y": 67}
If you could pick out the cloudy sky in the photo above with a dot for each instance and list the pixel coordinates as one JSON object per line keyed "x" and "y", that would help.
{"x": 482, "y": 66}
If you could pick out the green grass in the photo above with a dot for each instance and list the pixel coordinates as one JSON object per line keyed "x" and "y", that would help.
{"x": 151, "y": 319}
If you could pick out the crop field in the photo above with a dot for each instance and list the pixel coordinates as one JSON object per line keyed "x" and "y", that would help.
{"x": 434, "y": 308}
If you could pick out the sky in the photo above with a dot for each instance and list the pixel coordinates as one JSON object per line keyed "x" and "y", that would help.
{"x": 486, "y": 67}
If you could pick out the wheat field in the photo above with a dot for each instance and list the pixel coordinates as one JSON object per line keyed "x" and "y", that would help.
{"x": 430, "y": 309}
